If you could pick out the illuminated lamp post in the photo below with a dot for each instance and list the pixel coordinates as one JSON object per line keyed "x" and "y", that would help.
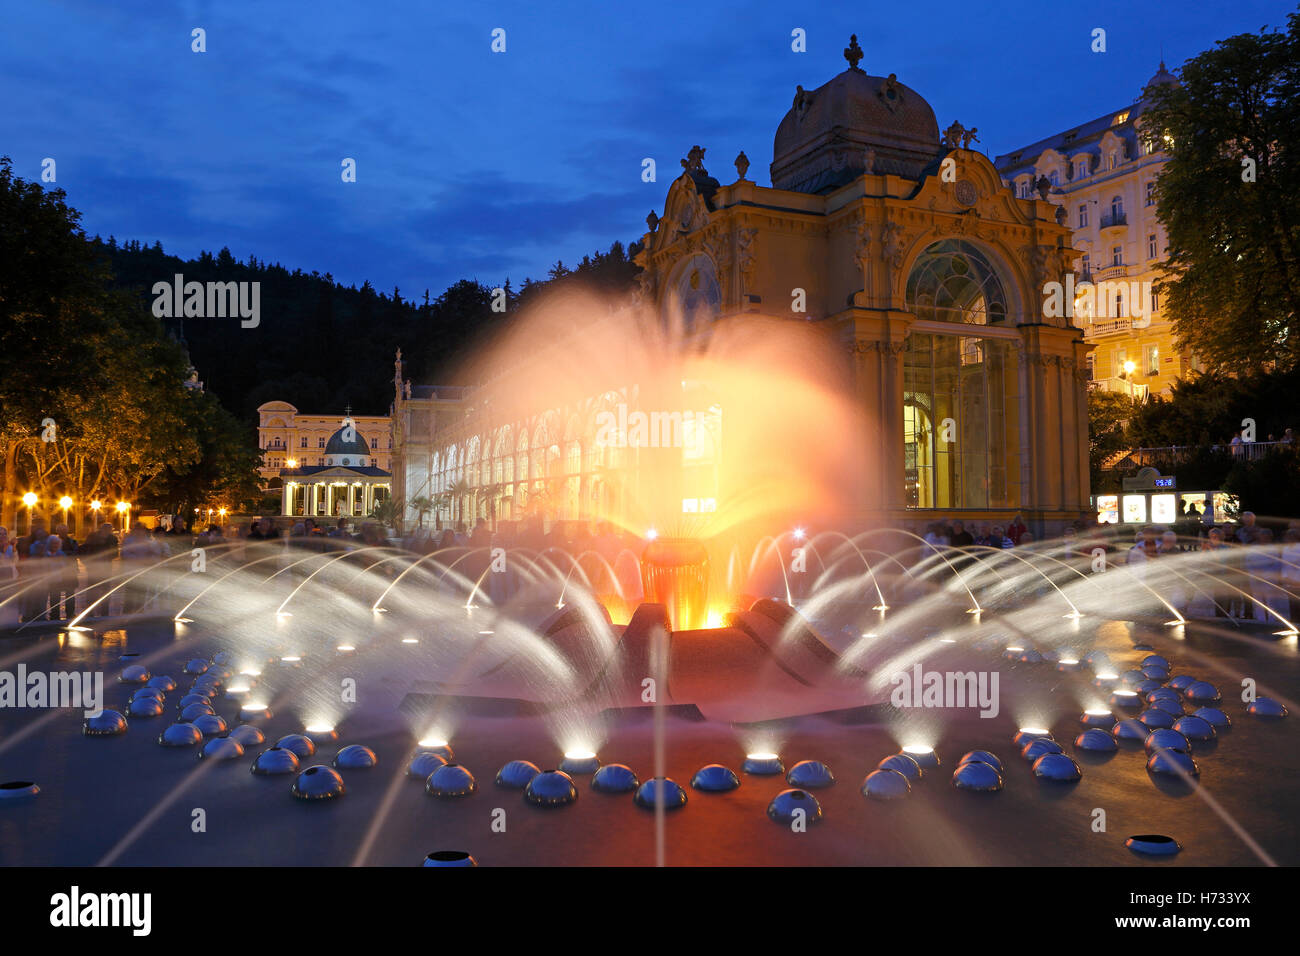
{"x": 30, "y": 500}
{"x": 65, "y": 503}
{"x": 122, "y": 508}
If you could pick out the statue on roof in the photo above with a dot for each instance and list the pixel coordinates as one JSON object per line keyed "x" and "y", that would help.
{"x": 652, "y": 221}
{"x": 742, "y": 164}
{"x": 953, "y": 134}
{"x": 694, "y": 161}
{"x": 853, "y": 52}
{"x": 968, "y": 137}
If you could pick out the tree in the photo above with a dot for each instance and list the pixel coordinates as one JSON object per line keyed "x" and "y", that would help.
{"x": 1229, "y": 198}
{"x": 1108, "y": 413}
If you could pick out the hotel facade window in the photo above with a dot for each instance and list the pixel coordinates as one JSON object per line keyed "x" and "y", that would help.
{"x": 1153, "y": 359}
{"x": 1117, "y": 255}
{"x": 1083, "y": 215}
{"x": 1151, "y": 193}
{"x": 1152, "y": 251}
{"x": 1117, "y": 209}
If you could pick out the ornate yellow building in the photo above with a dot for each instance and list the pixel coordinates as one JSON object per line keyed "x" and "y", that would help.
{"x": 907, "y": 250}
{"x": 1102, "y": 175}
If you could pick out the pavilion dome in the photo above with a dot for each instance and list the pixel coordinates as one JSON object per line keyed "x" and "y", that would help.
{"x": 825, "y": 139}
{"x": 344, "y": 449}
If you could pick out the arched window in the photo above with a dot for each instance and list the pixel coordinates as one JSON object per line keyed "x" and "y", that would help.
{"x": 1117, "y": 208}
{"x": 953, "y": 281}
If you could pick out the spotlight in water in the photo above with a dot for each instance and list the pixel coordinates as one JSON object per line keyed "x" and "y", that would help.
{"x": 1105, "y": 680}
{"x": 247, "y": 735}
{"x": 355, "y": 757}
{"x": 762, "y": 764}
{"x": 410, "y": 640}
{"x": 222, "y": 748}
{"x": 451, "y": 780}
{"x": 551, "y": 788}
{"x": 1173, "y": 763}
{"x": 886, "y": 783}
{"x": 924, "y": 755}
{"x": 1195, "y": 728}
{"x": 302, "y": 747}
{"x": 250, "y": 672}
{"x": 1097, "y": 717}
{"x": 318, "y": 783}
{"x": 579, "y": 762}
{"x": 1126, "y": 699}
{"x": 1266, "y": 707}
{"x": 275, "y": 760}
{"x": 254, "y": 711}
{"x": 321, "y": 733}
{"x": 437, "y": 745}
{"x": 1153, "y": 844}
{"x": 1096, "y": 740}
{"x": 1057, "y": 767}
{"x": 1038, "y": 747}
{"x": 1067, "y": 664}
{"x": 715, "y": 778}
{"x": 904, "y": 764}
{"x": 810, "y": 775}
{"x": 977, "y": 776}
{"x": 180, "y": 735}
{"x": 423, "y": 764}
{"x": 345, "y": 648}
{"x": 291, "y": 659}
{"x": 660, "y": 792}
{"x": 1027, "y": 734}
{"x": 517, "y": 774}
{"x": 449, "y": 858}
{"x": 790, "y": 805}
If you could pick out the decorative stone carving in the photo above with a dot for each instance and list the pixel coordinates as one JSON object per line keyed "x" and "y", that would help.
{"x": 746, "y": 256}
{"x": 891, "y": 93}
{"x": 968, "y": 137}
{"x": 892, "y": 242}
{"x": 876, "y": 347}
{"x": 1044, "y": 186}
{"x": 953, "y": 134}
{"x": 862, "y": 252}
{"x": 652, "y": 221}
{"x": 869, "y": 160}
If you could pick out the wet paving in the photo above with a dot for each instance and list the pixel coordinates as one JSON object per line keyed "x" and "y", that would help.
{"x": 129, "y": 801}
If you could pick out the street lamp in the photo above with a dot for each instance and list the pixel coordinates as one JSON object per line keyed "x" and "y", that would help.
{"x": 30, "y": 500}
{"x": 65, "y": 503}
{"x": 122, "y": 508}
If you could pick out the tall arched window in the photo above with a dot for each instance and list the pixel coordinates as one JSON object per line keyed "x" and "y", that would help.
{"x": 958, "y": 388}
{"x": 953, "y": 281}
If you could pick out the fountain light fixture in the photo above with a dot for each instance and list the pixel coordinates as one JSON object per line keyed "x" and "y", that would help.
{"x": 433, "y": 741}
{"x": 579, "y": 761}
{"x": 882, "y": 608}
{"x": 380, "y": 610}
{"x": 923, "y": 754}
{"x": 410, "y": 640}
{"x": 799, "y": 534}
{"x": 487, "y": 632}
{"x": 251, "y": 671}
{"x": 183, "y": 620}
{"x": 346, "y": 647}
{"x": 291, "y": 659}
{"x": 281, "y": 615}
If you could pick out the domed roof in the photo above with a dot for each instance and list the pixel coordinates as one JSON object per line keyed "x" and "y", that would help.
{"x": 1162, "y": 78}
{"x": 339, "y": 443}
{"x": 827, "y": 137}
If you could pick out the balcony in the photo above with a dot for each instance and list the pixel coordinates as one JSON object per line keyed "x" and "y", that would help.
{"x": 1104, "y": 327}
{"x": 1114, "y": 221}
{"x": 1112, "y": 271}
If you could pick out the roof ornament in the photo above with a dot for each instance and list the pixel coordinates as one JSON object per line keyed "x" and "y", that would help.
{"x": 953, "y": 134}
{"x": 853, "y": 53}
{"x": 694, "y": 161}
{"x": 652, "y": 221}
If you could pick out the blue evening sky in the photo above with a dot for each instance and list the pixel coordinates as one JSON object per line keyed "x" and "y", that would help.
{"x": 485, "y": 165}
